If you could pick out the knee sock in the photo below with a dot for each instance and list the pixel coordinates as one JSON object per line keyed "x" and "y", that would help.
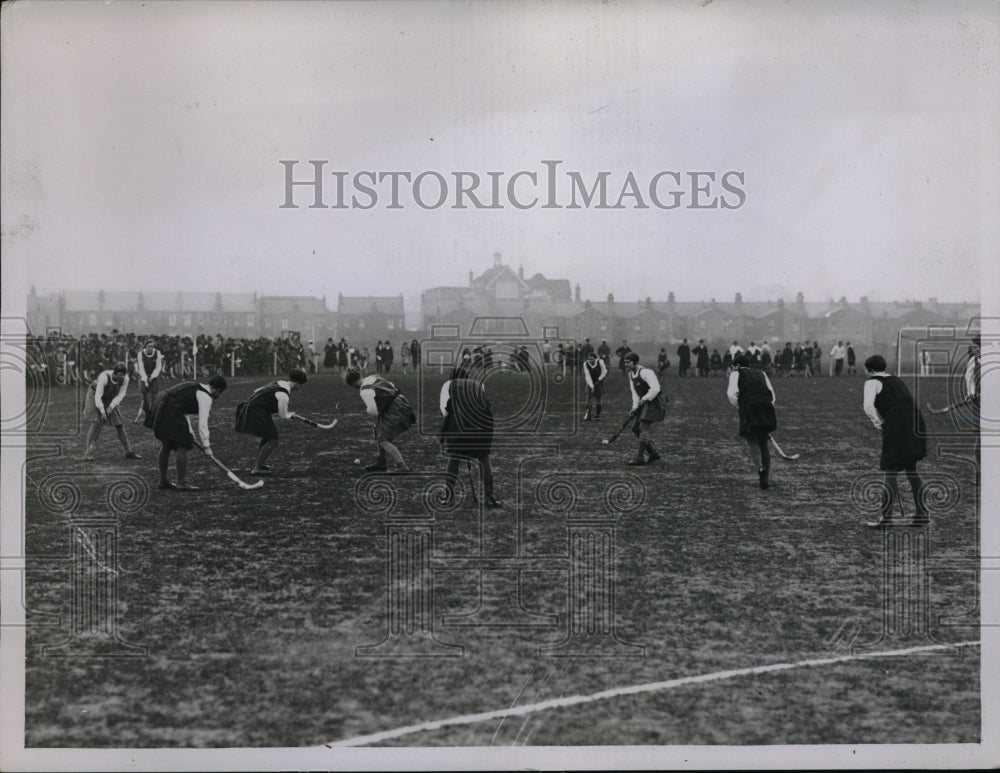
{"x": 917, "y": 486}
{"x": 393, "y": 454}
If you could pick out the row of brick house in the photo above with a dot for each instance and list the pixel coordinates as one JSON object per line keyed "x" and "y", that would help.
{"x": 503, "y": 301}
{"x": 237, "y": 315}
{"x": 671, "y": 321}
{"x": 545, "y": 306}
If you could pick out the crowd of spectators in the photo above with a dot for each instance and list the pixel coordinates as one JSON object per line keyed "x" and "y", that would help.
{"x": 64, "y": 359}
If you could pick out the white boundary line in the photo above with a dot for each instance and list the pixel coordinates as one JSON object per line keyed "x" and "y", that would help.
{"x": 574, "y": 700}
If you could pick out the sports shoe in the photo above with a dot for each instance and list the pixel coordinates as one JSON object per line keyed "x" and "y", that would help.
{"x": 262, "y": 471}
{"x": 881, "y": 522}
{"x": 376, "y": 467}
{"x": 132, "y": 455}
{"x": 491, "y": 501}
{"x": 764, "y": 482}
{"x": 637, "y": 462}
{"x": 166, "y": 486}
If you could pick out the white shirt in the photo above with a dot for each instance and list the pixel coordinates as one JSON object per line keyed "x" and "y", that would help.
{"x": 141, "y": 366}
{"x": 654, "y": 387}
{"x": 838, "y": 352}
{"x": 204, "y": 408}
{"x": 971, "y": 387}
{"x": 604, "y": 372}
{"x": 368, "y": 395}
{"x": 735, "y": 349}
{"x": 872, "y": 388}
{"x": 102, "y": 382}
{"x": 282, "y": 399}
{"x": 733, "y": 388}
{"x": 446, "y": 396}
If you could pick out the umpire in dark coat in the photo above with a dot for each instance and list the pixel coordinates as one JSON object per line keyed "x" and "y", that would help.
{"x": 683, "y": 358}
{"x": 467, "y": 432}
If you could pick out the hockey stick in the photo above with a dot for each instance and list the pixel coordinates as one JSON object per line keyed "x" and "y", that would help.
{"x": 233, "y": 476}
{"x": 781, "y": 452}
{"x": 312, "y": 423}
{"x": 954, "y": 406}
{"x": 621, "y": 429}
{"x": 229, "y": 473}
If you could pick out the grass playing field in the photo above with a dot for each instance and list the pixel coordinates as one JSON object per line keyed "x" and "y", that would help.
{"x": 333, "y": 604}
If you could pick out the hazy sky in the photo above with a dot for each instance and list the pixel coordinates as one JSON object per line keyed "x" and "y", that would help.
{"x": 141, "y": 145}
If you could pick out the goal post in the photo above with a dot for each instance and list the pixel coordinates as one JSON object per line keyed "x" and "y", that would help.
{"x": 930, "y": 350}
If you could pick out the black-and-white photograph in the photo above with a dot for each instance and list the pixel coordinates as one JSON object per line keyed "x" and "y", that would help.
{"x": 550, "y": 385}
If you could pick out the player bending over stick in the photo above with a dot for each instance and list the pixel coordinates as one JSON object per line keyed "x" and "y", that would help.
{"x": 104, "y": 395}
{"x": 253, "y": 416}
{"x": 647, "y": 406}
{"x": 168, "y": 420}
{"x": 392, "y": 412}
{"x": 751, "y": 392}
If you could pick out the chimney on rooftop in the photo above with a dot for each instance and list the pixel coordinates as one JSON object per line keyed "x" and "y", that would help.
{"x": 470, "y": 278}
{"x": 520, "y": 273}
{"x": 576, "y": 293}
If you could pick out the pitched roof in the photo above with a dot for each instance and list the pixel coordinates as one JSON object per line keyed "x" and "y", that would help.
{"x": 651, "y": 309}
{"x": 383, "y": 304}
{"x": 85, "y": 300}
{"x": 557, "y": 289}
{"x": 715, "y": 310}
{"x": 159, "y": 301}
{"x": 490, "y": 276}
{"x": 444, "y": 294}
{"x": 840, "y": 309}
{"x": 284, "y": 304}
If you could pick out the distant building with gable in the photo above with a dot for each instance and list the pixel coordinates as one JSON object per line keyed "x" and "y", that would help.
{"x": 544, "y": 305}
{"x": 499, "y": 292}
{"x": 372, "y": 317}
